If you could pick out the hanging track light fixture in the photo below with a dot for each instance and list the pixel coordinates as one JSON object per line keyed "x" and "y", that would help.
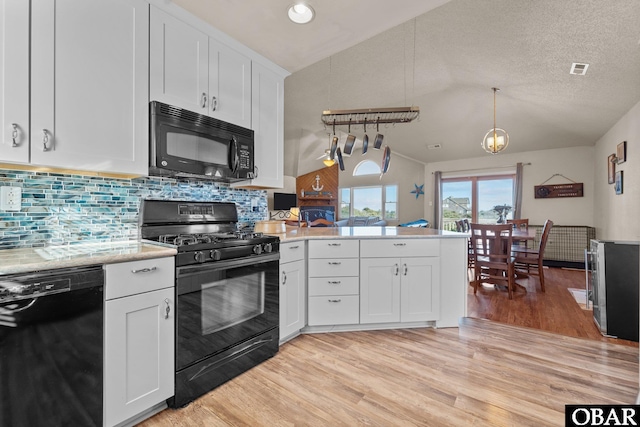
{"x": 496, "y": 140}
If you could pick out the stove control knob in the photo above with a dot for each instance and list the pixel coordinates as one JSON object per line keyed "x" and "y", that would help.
{"x": 257, "y": 249}
{"x": 268, "y": 247}
{"x": 198, "y": 256}
{"x": 215, "y": 255}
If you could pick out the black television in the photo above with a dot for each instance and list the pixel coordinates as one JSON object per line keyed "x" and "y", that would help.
{"x": 284, "y": 201}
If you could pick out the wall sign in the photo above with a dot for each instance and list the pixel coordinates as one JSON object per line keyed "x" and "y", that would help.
{"x": 551, "y": 191}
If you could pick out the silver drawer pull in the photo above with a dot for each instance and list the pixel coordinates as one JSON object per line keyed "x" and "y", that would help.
{"x": 334, "y": 300}
{"x": 294, "y": 247}
{"x": 399, "y": 244}
{"x": 334, "y": 263}
{"x": 144, "y": 270}
{"x": 334, "y": 282}
{"x": 334, "y": 244}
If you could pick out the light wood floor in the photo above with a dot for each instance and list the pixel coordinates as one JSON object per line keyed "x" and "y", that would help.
{"x": 484, "y": 373}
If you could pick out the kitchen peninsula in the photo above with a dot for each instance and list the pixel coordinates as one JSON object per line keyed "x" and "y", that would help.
{"x": 369, "y": 278}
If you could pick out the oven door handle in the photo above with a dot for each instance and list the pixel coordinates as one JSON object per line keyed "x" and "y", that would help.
{"x": 189, "y": 270}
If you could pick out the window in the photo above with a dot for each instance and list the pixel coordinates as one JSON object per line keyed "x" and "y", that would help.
{"x": 369, "y": 201}
{"x": 481, "y": 199}
{"x": 366, "y": 167}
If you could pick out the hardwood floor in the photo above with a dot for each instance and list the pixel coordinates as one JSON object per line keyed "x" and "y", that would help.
{"x": 484, "y": 373}
{"x": 554, "y": 310}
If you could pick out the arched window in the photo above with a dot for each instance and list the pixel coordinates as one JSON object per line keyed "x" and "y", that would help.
{"x": 366, "y": 167}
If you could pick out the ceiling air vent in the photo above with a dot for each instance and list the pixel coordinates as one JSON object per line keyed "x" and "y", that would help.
{"x": 579, "y": 69}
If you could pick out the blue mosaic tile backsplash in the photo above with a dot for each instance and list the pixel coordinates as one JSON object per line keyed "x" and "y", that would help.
{"x": 65, "y": 209}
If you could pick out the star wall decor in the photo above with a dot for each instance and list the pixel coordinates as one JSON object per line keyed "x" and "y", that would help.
{"x": 418, "y": 190}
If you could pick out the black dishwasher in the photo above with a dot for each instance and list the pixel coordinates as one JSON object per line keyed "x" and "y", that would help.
{"x": 51, "y": 347}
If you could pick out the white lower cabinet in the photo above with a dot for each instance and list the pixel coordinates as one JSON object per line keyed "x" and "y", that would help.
{"x": 333, "y": 278}
{"x": 293, "y": 289}
{"x": 399, "y": 289}
{"x": 139, "y": 337}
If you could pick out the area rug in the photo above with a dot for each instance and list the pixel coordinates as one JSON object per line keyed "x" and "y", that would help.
{"x": 580, "y": 295}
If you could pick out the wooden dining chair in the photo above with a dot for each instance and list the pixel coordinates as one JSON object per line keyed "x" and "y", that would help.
{"x": 493, "y": 262}
{"x": 520, "y": 224}
{"x": 530, "y": 260}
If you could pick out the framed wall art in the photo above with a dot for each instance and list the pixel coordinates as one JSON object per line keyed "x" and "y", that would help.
{"x": 611, "y": 168}
{"x": 621, "y": 152}
{"x": 619, "y": 182}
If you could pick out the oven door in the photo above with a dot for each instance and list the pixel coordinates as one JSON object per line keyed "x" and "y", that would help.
{"x": 222, "y": 304}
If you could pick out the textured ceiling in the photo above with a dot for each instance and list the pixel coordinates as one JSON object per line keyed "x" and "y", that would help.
{"x": 445, "y": 61}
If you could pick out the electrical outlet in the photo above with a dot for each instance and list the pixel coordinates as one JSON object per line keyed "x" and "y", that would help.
{"x": 10, "y": 198}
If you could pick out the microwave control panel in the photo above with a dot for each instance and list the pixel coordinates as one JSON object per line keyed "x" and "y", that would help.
{"x": 244, "y": 155}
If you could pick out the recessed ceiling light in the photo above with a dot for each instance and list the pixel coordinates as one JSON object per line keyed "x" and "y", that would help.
{"x": 579, "y": 69}
{"x": 301, "y": 13}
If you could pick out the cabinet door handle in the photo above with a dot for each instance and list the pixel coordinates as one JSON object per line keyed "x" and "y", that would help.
{"x": 284, "y": 278}
{"x": 334, "y": 263}
{"x": 294, "y": 247}
{"x": 334, "y": 300}
{"x": 214, "y": 103}
{"x": 334, "y": 282}
{"x": 399, "y": 244}
{"x": 396, "y": 270}
{"x": 144, "y": 270}
{"x": 166, "y": 301}
{"x": 45, "y": 140}
{"x": 204, "y": 100}
{"x": 334, "y": 244}
{"x": 14, "y": 134}
{"x": 404, "y": 266}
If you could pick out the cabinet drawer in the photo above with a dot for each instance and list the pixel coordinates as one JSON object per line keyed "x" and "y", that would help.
{"x": 385, "y": 248}
{"x": 333, "y": 267}
{"x": 334, "y": 248}
{"x": 334, "y": 286}
{"x": 135, "y": 277}
{"x": 334, "y": 310}
{"x": 292, "y": 251}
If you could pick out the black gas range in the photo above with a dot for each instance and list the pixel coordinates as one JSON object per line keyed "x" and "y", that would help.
{"x": 227, "y": 292}
{"x": 202, "y": 232}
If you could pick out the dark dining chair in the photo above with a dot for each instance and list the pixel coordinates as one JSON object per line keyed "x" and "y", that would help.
{"x": 530, "y": 260}
{"x": 493, "y": 262}
{"x": 520, "y": 224}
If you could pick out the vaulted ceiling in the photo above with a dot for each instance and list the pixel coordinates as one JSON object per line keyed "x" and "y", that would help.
{"x": 444, "y": 56}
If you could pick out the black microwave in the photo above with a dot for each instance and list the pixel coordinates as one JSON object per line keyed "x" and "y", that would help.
{"x": 188, "y": 144}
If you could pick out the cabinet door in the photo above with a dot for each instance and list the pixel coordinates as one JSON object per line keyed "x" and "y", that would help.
{"x": 292, "y": 298}
{"x": 179, "y": 63}
{"x": 379, "y": 290}
{"x": 419, "y": 289}
{"x": 267, "y": 109}
{"x": 229, "y": 85}
{"x": 89, "y": 85}
{"x": 139, "y": 353}
{"x": 14, "y": 80}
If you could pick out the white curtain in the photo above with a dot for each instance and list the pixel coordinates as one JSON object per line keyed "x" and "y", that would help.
{"x": 437, "y": 200}
{"x": 517, "y": 193}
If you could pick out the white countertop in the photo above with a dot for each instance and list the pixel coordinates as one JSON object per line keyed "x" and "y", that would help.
{"x": 371, "y": 232}
{"x": 26, "y": 260}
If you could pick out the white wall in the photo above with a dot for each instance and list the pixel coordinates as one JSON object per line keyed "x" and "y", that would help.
{"x": 403, "y": 172}
{"x": 574, "y": 163}
{"x": 616, "y": 216}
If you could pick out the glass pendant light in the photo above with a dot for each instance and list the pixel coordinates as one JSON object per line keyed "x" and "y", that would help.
{"x": 496, "y": 140}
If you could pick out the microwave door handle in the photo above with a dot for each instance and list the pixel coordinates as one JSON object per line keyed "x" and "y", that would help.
{"x": 234, "y": 155}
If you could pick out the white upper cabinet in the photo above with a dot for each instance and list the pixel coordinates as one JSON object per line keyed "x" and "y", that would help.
{"x": 193, "y": 71}
{"x": 89, "y": 85}
{"x": 179, "y": 63}
{"x": 229, "y": 85}
{"x": 267, "y": 118}
{"x": 14, "y": 80}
